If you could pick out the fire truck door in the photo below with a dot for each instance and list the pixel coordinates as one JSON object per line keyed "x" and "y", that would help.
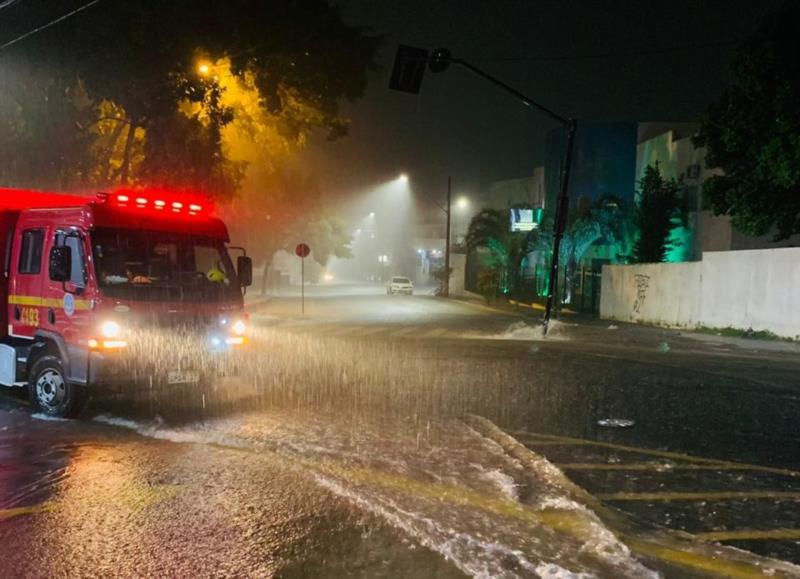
{"x": 25, "y": 290}
{"x": 68, "y": 303}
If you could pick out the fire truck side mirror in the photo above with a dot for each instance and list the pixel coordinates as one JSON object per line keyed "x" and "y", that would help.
{"x": 61, "y": 263}
{"x": 244, "y": 269}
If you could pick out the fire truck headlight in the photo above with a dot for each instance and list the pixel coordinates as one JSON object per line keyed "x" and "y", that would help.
{"x": 110, "y": 329}
{"x": 239, "y": 327}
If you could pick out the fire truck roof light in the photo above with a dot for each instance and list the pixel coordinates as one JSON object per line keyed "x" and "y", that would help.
{"x": 162, "y": 201}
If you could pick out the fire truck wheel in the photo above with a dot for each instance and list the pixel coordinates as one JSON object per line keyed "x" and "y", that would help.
{"x": 49, "y": 389}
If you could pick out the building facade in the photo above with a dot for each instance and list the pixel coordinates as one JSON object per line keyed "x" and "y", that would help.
{"x": 670, "y": 145}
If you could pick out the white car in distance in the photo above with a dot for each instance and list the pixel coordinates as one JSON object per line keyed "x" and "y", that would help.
{"x": 400, "y": 285}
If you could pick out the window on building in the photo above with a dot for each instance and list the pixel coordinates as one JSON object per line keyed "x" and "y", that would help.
{"x": 30, "y": 257}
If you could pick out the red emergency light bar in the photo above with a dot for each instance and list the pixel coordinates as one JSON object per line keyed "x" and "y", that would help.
{"x": 18, "y": 199}
{"x": 153, "y": 201}
{"x": 159, "y": 201}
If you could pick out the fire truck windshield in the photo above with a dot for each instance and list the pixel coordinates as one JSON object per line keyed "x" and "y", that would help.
{"x": 156, "y": 265}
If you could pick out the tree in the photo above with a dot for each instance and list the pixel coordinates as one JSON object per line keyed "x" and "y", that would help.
{"x": 504, "y": 251}
{"x": 752, "y": 133}
{"x": 489, "y": 283}
{"x": 442, "y": 276}
{"x": 118, "y": 96}
{"x": 41, "y": 144}
{"x": 299, "y": 57}
{"x": 658, "y": 205}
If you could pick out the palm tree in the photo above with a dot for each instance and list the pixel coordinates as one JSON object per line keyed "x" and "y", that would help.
{"x": 503, "y": 250}
{"x": 608, "y": 221}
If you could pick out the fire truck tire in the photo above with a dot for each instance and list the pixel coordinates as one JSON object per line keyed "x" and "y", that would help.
{"x": 50, "y": 391}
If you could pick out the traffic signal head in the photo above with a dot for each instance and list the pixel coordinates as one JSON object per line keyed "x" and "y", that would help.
{"x": 439, "y": 60}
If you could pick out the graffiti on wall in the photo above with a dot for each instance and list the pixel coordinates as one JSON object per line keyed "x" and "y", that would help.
{"x": 642, "y": 283}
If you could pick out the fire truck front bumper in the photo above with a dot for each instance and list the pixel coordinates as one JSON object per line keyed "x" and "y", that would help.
{"x": 125, "y": 368}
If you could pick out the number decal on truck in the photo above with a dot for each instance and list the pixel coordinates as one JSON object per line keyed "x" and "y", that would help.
{"x": 30, "y": 316}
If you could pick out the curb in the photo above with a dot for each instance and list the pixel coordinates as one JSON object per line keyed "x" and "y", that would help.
{"x": 484, "y": 307}
{"x": 539, "y": 307}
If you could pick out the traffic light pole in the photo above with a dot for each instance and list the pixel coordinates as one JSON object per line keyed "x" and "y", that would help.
{"x": 562, "y": 208}
{"x": 437, "y": 62}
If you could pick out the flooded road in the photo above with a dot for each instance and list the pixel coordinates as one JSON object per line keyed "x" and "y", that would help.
{"x": 349, "y": 444}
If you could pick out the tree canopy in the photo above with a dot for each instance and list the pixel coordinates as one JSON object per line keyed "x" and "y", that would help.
{"x": 752, "y": 132}
{"x": 215, "y": 97}
{"x": 148, "y": 59}
{"x": 658, "y": 204}
{"x": 489, "y": 230}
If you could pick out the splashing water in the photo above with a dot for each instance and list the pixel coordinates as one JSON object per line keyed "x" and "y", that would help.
{"x": 376, "y": 423}
{"x": 523, "y": 331}
{"x": 450, "y": 489}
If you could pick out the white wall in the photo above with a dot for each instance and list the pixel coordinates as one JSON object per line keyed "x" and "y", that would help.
{"x": 757, "y": 289}
{"x": 458, "y": 263}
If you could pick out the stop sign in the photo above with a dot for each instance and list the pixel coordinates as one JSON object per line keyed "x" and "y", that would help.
{"x": 302, "y": 250}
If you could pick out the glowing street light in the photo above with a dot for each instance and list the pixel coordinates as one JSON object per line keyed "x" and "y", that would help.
{"x": 462, "y": 203}
{"x": 403, "y": 178}
{"x": 203, "y": 69}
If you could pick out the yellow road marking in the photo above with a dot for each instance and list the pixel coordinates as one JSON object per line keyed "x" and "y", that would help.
{"x": 553, "y": 440}
{"x": 751, "y": 535}
{"x": 699, "y": 496}
{"x": 569, "y": 522}
{"x": 656, "y": 466}
{"x": 697, "y": 561}
{"x": 6, "y": 514}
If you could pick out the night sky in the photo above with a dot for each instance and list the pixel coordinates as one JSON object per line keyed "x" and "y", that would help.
{"x": 586, "y": 59}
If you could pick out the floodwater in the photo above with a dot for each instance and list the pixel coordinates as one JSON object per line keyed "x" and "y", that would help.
{"x": 335, "y": 450}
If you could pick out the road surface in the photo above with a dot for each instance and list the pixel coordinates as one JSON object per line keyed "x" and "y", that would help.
{"x": 398, "y": 436}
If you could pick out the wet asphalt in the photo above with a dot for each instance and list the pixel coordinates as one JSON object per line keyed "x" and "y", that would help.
{"x": 712, "y": 446}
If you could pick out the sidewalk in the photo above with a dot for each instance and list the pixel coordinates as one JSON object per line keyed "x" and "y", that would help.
{"x": 588, "y": 328}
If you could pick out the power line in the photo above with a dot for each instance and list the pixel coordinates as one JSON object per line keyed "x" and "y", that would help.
{"x": 7, "y": 3}
{"x": 48, "y": 25}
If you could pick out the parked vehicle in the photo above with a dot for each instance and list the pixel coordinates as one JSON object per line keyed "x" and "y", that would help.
{"x": 82, "y": 275}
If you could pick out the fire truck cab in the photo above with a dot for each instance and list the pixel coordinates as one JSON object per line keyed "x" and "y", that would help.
{"x": 82, "y": 274}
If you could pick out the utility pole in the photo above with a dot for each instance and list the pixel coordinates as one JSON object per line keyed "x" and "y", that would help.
{"x": 447, "y": 212}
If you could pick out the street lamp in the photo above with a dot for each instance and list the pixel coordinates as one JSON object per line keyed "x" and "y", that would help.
{"x": 203, "y": 69}
{"x": 403, "y": 178}
{"x": 461, "y": 204}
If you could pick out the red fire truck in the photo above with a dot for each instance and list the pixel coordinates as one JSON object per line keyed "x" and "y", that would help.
{"x": 82, "y": 274}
